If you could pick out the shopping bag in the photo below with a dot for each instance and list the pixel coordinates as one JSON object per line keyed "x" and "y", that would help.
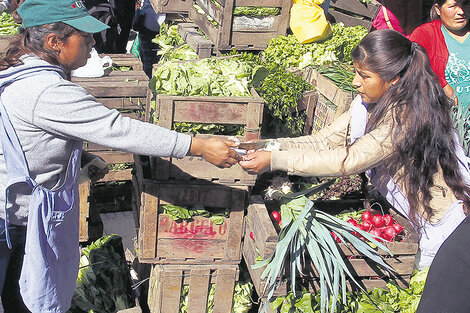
{"x": 308, "y": 21}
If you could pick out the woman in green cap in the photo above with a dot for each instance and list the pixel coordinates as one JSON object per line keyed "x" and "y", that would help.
{"x": 43, "y": 120}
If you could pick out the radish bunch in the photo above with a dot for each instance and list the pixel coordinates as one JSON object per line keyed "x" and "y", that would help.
{"x": 382, "y": 226}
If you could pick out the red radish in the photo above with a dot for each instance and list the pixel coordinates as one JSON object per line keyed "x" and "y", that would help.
{"x": 398, "y": 228}
{"x": 366, "y": 216}
{"x": 388, "y": 220}
{"x": 376, "y": 232}
{"x": 252, "y": 236}
{"x": 377, "y": 220}
{"x": 367, "y": 225}
{"x": 335, "y": 237}
{"x": 352, "y": 221}
{"x": 390, "y": 233}
{"x": 276, "y": 216}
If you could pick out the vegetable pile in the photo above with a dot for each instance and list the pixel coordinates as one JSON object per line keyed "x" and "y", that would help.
{"x": 8, "y": 27}
{"x": 392, "y": 299}
{"x": 378, "y": 225}
{"x": 103, "y": 282}
{"x": 289, "y": 52}
{"x": 172, "y": 46}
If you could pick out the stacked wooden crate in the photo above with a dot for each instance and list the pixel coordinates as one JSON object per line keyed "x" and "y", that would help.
{"x": 226, "y": 33}
{"x": 197, "y": 248}
{"x": 263, "y": 245}
{"x": 123, "y": 90}
{"x": 353, "y": 12}
{"x": 171, "y": 6}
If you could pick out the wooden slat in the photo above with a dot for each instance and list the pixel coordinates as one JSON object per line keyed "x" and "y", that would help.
{"x": 148, "y": 222}
{"x": 224, "y": 290}
{"x": 171, "y": 282}
{"x": 198, "y": 289}
{"x": 84, "y": 193}
{"x": 368, "y": 10}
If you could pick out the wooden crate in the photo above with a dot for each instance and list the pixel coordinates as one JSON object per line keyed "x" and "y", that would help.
{"x": 125, "y": 91}
{"x": 247, "y": 111}
{"x": 265, "y": 239}
{"x": 171, "y": 6}
{"x": 192, "y": 36}
{"x": 199, "y": 241}
{"x": 229, "y": 34}
{"x": 353, "y": 12}
{"x": 332, "y": 101}
{"x": 84, "y": 192}
{"x": 126, "y": 59}
{"x": 167, "y": 281}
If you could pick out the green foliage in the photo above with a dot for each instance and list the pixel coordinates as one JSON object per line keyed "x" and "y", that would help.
{"x": 256, "y": 11}
{"x": 179, "y": 213}
{"x": 8, "y": 27}
{"x": 103, "y": 278}
{"x": 172, "y": 46}
{"x": 282, "y": 92}
{"x": 392, "y": 299}
{"x": 289, "y": 52}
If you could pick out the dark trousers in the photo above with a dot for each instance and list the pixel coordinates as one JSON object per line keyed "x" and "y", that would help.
{"x": 11, "y": 261}
{"x": 447, "y": 288}
{"x": 148, "y": 49}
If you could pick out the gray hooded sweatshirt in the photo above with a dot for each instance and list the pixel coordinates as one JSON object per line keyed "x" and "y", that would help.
{"x": 49, "y": 113}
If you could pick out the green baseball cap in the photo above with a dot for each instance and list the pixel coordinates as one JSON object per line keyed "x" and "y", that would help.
{"x": 71, "y": 12}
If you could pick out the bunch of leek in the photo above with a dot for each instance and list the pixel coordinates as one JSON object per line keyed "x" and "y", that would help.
{"x": 308, "y": 230}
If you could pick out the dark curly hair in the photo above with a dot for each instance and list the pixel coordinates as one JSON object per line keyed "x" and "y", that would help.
{"x": 423, "y": 133}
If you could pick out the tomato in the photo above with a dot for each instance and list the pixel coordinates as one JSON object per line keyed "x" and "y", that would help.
{"x": 377, "y": 220}
{"x": 366, "y": 216}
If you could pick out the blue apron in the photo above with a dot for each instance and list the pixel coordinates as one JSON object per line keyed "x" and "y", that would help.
{"x": 51, "y": 259}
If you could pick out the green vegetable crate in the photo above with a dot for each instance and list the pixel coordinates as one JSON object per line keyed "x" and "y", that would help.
{"x": 264, "y": 243}
{"x": 169, "y": 239}
{"x": 246, "y": 111}
{"x": 354, "y": 12}
{"x": 228, "y": 31}
{"x": 171, "y": 6}
{"x": 167, "y": 281}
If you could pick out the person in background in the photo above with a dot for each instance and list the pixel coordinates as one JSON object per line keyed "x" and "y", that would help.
{"x": 147, "y": 23}
{"x": 41, "y": 135}
{"x": 400, "y": 15}
{"x": 444, "y": 39}
{"x": 399, "y": 131}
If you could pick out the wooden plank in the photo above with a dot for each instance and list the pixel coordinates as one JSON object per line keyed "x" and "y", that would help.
{"x": 84, "y": 193}
{"x": 148, "y": 222}
{"x": 171, "y": 6}
{"x": 171, "y": 291}
{"x": 117, "y": 175}
{"x": 198, "y": 289}
{"x": 224, "y": 289}
{"x": 4, "y": 43}
{"x": 349, "y": 20}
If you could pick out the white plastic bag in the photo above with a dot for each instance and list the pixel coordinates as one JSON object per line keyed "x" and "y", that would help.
{"x": 94, "y": 66}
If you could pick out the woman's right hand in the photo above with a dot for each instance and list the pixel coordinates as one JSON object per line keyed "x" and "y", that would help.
{"x": 215, "y": 151}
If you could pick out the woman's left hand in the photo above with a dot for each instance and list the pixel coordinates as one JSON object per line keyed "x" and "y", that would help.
{"x": 95, "y": 173}
{"x": 256, "y": 162}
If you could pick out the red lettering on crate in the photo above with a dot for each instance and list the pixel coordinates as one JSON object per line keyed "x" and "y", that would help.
{"x": 199, "y": 228}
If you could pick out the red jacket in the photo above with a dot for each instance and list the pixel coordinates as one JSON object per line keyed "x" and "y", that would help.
{"x": 431, "y": 38}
